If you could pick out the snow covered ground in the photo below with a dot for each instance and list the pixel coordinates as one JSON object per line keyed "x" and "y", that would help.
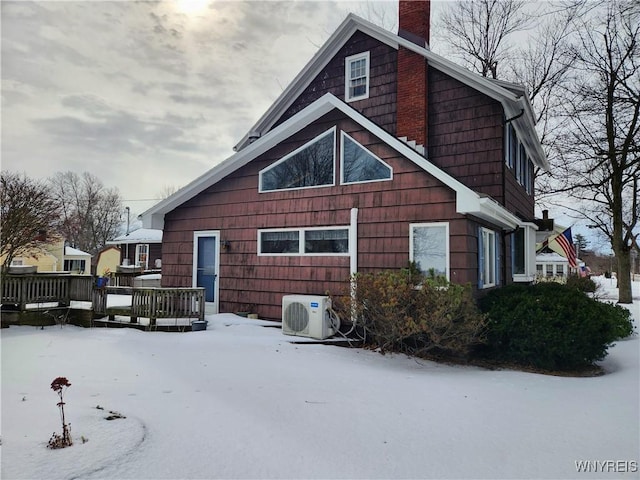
{"x": 239, "y": 400}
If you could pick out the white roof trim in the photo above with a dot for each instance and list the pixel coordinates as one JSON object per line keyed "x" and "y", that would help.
{"x": 467, "y": 201}
{"x": 512, "y": 103}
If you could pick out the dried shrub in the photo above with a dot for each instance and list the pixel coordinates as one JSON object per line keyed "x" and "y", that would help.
{"x": 59, "y": 385}
{"x": 405, "y": 311}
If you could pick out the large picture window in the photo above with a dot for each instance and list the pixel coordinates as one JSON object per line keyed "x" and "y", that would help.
{"x": 311, "y": 165}
{"x": 360, "y": 165}
{"x": 429, "y": 248}
{"x": 304, "y": 241}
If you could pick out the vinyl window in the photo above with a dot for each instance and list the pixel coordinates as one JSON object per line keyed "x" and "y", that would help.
{"x": 429, "y": 248}
{"x": 304, "y": 241}
{"x": 357, "y": 77}
{"x": 312, "y": 165}
{"x": 488, "y": 258}
{"x": 360, "y": 165}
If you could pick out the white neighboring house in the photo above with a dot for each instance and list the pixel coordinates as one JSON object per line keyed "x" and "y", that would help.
{"x": 140, "y": 248}
{"x": 551, "y": 266}
{"x": 76, "y": 261}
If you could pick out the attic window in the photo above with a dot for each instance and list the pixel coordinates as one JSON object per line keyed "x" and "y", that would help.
{"x": 311, "y": 165}
{"x": 356, "y": 70}
{"x": 360, "y": 165}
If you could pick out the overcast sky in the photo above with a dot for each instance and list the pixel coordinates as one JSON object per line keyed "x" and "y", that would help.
{"x": 148, "y": 95}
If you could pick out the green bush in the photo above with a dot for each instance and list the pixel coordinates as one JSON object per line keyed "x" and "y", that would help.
{"x": 551, "y": 326}
{"x": 404, "y": 311}
{"x": 584, "y": 284}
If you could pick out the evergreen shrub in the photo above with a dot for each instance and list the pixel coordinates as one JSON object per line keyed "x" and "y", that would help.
{"x": 551, "y": 326}
{"x": 584, "y": 284}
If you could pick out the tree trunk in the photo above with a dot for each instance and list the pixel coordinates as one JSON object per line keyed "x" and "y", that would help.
{"x": 624, "y": 276}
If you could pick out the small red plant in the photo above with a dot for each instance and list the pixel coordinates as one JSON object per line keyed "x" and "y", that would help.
{"x": 59, "y": 385}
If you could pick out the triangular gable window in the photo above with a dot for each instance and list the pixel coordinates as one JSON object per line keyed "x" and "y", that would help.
{"x": 311, "y": 165}
{"x": 360, "y": 165}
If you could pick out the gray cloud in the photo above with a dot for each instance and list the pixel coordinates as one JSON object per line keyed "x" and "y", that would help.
{"x": 140, "y": 92}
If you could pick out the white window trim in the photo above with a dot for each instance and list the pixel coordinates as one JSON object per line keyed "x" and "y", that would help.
{"x": 301, "y": 241}
{"x": 331, "y": 131}
{"x": 342, "y": 181}
{"x": 412, "y": 226}
{"x": 530, "y": 271}
{"x": 146, "y": 263}
{"x": 347, "y": 76}
{"x": 488, "y": 242}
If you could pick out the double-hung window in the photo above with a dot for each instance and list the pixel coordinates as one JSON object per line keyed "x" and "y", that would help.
{"x": 356, "y": 77}
{"x": 429, "y": 248}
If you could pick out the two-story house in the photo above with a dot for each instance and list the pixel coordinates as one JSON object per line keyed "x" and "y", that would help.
{"x": 379, "y": 152}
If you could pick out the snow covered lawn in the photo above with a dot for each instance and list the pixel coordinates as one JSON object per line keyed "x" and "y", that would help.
{"x": 240, "y": 401}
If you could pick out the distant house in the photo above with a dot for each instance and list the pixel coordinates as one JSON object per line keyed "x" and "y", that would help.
{"x": 379, "y": 152}
{"x": 53, "y": 256}
{"x": 551, "y": 259}
{"x": 141, "y": 248}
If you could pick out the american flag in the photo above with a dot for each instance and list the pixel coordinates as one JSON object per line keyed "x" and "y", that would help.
{"x": 565, "y": 242}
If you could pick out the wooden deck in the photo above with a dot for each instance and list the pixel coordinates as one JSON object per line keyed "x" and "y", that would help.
{"x": 151, "y": 309}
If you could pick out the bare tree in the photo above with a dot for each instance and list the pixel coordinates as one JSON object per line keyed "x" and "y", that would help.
{"x": 167, "y": 190}
{"x": 91, "y": 213}
{"x": 600, "y": 164}
{"x": 478, "y": 31}
{"x": 28, "y": 214}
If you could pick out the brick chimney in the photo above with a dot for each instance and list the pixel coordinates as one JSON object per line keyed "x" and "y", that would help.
{"x": 414, "y": 22}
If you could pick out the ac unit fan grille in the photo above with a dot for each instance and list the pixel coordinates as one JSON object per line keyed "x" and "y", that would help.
{"x": 296, "y": 317}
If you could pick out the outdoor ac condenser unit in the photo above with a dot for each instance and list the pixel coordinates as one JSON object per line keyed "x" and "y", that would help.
{"x": 307, "y": 316}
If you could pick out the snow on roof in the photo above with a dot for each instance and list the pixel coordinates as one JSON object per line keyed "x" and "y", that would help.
{"x": 142, "y": 235}
{"x": 74, "y": 251}
{"x": 550, "y": 258}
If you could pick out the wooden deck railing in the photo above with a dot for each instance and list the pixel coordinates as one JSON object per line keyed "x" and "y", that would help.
{"x": 152, "y": 303}
{"x": 22, "y": 290}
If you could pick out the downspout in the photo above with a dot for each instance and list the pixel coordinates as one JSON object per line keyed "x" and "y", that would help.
{"x": 353, "y": 257}
{"x": 353, "y": 243}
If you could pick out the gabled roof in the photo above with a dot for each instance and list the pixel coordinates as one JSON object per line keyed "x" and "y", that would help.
{"x": 512, "y": 97}
{"x": 141, "y": 235}
{"x": 467, "y": 201}
{"x": 74, "y": 252}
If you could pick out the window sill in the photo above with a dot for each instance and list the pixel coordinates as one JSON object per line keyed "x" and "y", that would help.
{"x": 523, "y": 278}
